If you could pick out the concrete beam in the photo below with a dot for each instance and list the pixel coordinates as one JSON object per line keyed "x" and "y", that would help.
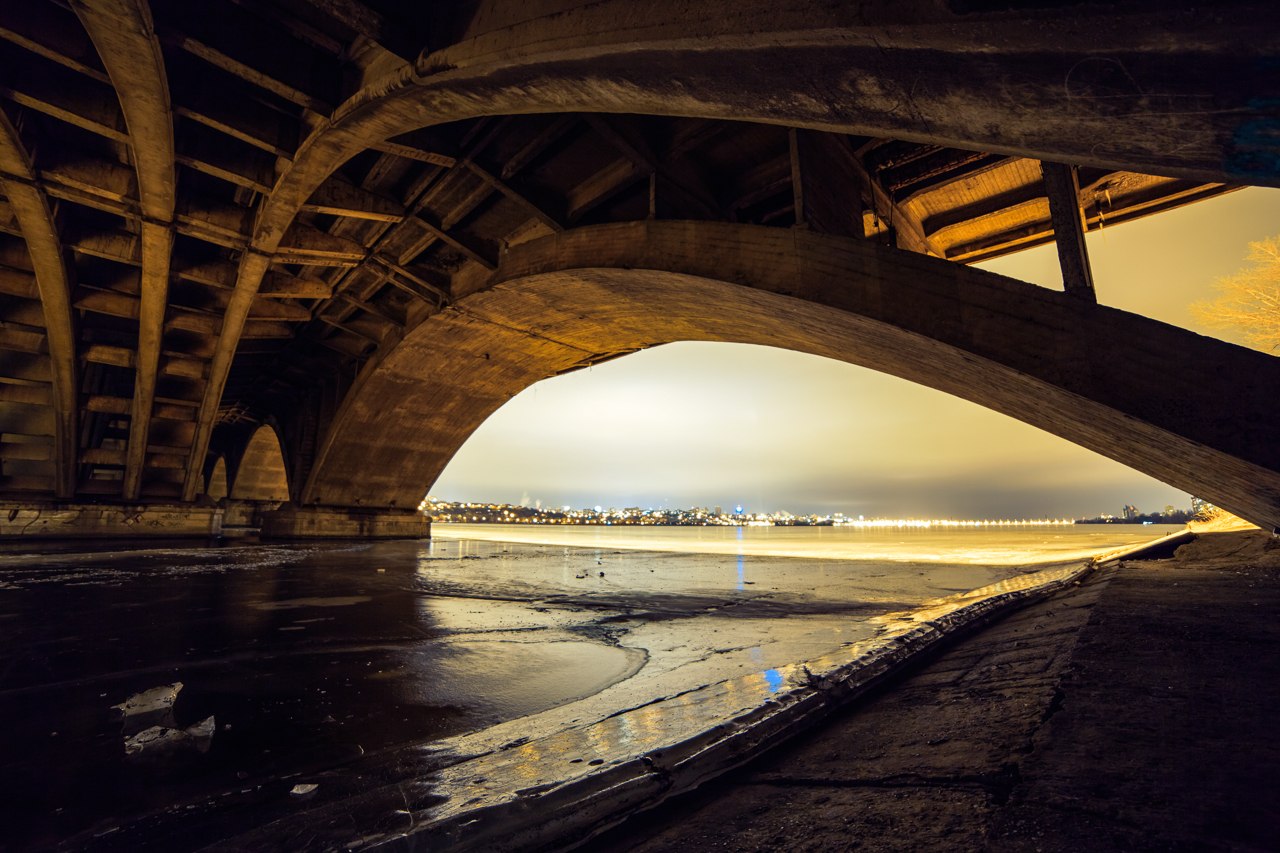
{"x": 229, "y": 105}
{"x": 50, "y": 520}
{"x": 1197, "y": 413}
{"x": 501, "y": 186}
{"x": 65, "y": 95}
{"x": 53, "y": 279}
{"x": 304, "y": 244}
{"x": 49, "y": 31}
{"x": 291, "y": 522}
{"x": 647, "y": 163}
{"x": 230, "y": 41}
{"x": 340, "y": 197}
{"x": 907, "y": 230}
{"x": 1063, "y": 188}
{"x": 442, "y": 234}
{"x": 284, "y": 286}
{"x": 125, "y": 37}
{"x": 830, "y": 184}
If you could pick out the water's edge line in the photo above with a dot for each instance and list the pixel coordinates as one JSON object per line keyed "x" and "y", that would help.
{"x": 576, "y": 809}
{"x": 442, "y": 533}
{"x": 1138, "y": 549}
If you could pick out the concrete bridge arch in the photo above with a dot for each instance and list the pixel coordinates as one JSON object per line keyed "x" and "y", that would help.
{"x": 215, "y": 484}
{"x": 1094, "y": 375}
{"x": 821, "y": 66}
{"x": 250, "y": 465}
{"x": 260, "y": 472}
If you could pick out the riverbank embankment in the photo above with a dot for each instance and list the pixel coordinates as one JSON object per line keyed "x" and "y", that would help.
{"x": 1134, "y": 712}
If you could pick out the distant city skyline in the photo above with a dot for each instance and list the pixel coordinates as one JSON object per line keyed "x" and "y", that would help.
{"x": 701, "y": 424}
{"x": 537, "y": 511}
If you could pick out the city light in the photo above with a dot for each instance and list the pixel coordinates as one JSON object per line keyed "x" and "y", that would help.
{"x": 445, "y": 512}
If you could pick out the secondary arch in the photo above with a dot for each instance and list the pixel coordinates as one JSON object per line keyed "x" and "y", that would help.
{"x": 1091, "y": 374}
{"x": 260, "y": 474}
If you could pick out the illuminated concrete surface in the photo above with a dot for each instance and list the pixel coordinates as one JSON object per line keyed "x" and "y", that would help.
{"x": 1192, "y": 411}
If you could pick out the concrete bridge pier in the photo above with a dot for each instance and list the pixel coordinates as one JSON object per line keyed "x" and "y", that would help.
{"x": 326, "y": 522}
{"x": 30, "y": 520}
{"x": 204, "y": 520}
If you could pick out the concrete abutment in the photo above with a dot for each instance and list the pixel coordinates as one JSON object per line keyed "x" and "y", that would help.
{"x": 22, "y": 521}
{"x": 68, "y": 520}
{"x": 324, "y": 522}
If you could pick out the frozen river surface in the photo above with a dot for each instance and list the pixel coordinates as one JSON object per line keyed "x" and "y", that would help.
{"x": 317, "y": 663}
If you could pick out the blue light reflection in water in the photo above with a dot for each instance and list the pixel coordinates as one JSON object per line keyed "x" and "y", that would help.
{"x": 774, "y": 679}
{"x": 742, "y": 568}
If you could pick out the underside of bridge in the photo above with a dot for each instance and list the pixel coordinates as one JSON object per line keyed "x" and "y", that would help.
{"x": 363, "y": 226}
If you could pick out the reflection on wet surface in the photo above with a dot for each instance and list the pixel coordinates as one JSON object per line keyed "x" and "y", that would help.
{"x": 327, "y": 665}
{"x": 995, "y": 545}
{"x": 536, "y": 790}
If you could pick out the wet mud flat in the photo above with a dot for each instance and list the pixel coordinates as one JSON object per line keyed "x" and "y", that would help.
{"x": 269, "y": 680}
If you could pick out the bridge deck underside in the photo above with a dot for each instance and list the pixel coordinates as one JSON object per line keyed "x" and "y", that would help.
{"x": 220, "y": 216}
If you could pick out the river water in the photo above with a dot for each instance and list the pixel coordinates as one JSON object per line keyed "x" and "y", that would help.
{"x": 315, "y": 660}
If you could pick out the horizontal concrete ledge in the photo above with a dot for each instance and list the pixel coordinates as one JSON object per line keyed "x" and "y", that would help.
{"x": 1154, "y": 549}
{"x": 543, "y": 793}
{"x": 294, "y": 522}
{"x": 55, "y": 520}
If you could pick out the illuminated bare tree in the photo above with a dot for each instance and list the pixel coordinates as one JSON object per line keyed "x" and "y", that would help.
{"x": 1249, "y": 301}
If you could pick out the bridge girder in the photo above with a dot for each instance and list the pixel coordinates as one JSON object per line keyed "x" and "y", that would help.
{"x": 34, "y": 215}
{"x": 124, "y": 36}
{"x": 1192, "y": 411}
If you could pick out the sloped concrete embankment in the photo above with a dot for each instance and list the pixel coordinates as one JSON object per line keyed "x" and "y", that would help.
{"x": 1133, "y": 712}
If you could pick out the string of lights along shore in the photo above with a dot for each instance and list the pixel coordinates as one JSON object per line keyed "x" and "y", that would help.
{"x": 458, "y": 512}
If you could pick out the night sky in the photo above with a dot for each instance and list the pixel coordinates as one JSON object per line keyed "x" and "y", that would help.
{"x": 702, "y": 424}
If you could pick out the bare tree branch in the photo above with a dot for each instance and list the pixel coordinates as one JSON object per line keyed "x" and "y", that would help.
{"x": 1249, "y": 301}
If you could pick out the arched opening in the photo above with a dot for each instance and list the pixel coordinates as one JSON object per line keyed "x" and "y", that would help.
{"x": 261, "y": 474}
{"x": 696, "y": 424}
{"x": 216, "y": 487}
{"x": 1137, "y": 391}
{"x": 700, "y": 403}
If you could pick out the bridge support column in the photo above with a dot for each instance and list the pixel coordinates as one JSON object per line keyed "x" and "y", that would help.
{"x": 1063, "y": 188}
{"x": 327, "y": 522}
